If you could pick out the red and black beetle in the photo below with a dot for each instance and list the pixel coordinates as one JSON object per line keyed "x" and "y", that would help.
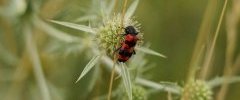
{"x": 127, "y": 46}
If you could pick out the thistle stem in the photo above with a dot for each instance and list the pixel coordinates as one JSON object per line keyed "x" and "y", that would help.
{"x": 115, "y": 57}
{"x": 111, "y": 79}
{"x": 123, "y": 12}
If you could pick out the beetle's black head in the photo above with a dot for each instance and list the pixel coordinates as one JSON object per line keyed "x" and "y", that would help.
{"x": 130, "y": 30}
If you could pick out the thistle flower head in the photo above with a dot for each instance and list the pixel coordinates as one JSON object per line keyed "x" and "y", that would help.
{"x": 138, "y": 93}
{"x": 109, "y": 34}
{"x": 198, "y": 90}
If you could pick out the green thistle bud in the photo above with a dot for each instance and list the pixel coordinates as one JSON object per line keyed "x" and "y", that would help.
{"x": 197, "y": 90}
{"x": 138, "y": 93}
{"x": 109, "y": 35}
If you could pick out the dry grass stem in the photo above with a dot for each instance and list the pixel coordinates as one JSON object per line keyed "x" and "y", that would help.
{"x": 230, "y": 66}
{"x": 209, "y": 55}
{"x": 201, "y": 38}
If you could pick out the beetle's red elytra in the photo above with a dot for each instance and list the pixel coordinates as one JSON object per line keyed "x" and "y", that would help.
{"x": 127, "y": 46}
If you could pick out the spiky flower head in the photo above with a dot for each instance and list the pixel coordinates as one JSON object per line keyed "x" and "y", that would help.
{"x": 138, "y": 93}
{"x": 109, "y": 34}
{"x": 197, "y": 90}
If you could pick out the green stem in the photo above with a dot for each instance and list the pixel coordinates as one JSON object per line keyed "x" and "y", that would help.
{"x": 111, "y": 81}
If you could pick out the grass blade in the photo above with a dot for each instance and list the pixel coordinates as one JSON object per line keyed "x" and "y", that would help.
{"x": 149, "y": 51}
{"x": 126, "y": 80}
{"x": 75, "y": 26}
{"x": 88, "y": 67}
{"x": 131, "y": 9}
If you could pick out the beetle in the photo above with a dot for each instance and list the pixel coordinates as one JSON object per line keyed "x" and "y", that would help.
{"x": 127, "y": 46}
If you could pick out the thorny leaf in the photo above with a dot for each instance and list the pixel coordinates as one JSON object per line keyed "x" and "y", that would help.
{"x": 126, "y": 80}
{"x": 75, "y": 26}
{"x": 149, "y": 51}
{"x": 220, "y": 80}
{"x": 131, "y": 9}
{"x": 173, "y": 88}
{"x": 94, "y": 78}
{"x": 110, "y": 7}
{"x": 89, "y": 66}
{"x": 53, "y": 31}
{"x": 86, "y": 18}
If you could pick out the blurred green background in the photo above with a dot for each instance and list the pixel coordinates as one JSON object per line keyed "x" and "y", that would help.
{"x": 170, "y": 26}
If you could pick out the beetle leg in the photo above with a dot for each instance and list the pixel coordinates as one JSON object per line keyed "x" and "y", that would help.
{"x": 117, "y": 49}
{"x": 134, "y": 52}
